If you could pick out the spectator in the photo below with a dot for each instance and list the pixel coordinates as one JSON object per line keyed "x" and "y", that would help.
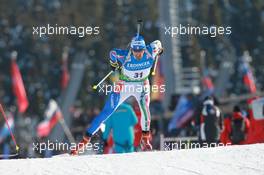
{"x": 211, "y": 122}
{"x": 224, "y": 138}
{"x": 239, "y": 126}
{"x": 122, "y": 123}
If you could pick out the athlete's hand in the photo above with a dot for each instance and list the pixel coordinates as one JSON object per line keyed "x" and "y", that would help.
{"x": 160, "y": 51}
{"x": 115, "y": 65}
{"x": 157, "y": 47}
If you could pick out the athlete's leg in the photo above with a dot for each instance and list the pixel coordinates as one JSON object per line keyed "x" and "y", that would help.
{"x": 143, "y": 100}
{"x": 116, "y": 98}
{"x": 111, "y": 104}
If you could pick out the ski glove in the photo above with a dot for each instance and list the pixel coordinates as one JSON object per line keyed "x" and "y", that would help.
{"x": 115, "y": 65}
{"x": 157, "y": 47}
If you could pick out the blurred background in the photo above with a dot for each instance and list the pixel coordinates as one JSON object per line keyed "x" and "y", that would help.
{"x": 63, "y": 68}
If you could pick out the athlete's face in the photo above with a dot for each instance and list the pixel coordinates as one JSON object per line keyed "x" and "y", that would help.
{"x": 138, "y": 54}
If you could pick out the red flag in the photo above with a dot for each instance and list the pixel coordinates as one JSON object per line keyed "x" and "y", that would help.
{"x": 207, "y": 82}
{"x": 249, "y": 82}
{"x": 248, "y": 78}
{"x": 65, "y": 72}
{"x": 18, "y": 85}
{"x": 53, "y": 115}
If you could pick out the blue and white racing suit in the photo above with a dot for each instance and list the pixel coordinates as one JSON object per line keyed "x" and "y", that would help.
{"x": 133, "y": 81}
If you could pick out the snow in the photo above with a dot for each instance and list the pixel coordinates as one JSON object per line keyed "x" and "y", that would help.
{"x": 246, "y": 159}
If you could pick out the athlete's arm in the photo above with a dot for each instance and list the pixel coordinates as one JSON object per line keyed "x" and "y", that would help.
{"x": 117, "y": 57}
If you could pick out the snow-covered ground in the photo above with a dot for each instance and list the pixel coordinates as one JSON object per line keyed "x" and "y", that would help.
{"x": 248, "y": 160}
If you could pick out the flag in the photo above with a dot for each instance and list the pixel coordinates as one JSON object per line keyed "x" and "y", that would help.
{"x": 183, "y": 113}
{"x": 248, "y": 78}
{"x": 52, "y": 116}
{"x": 208, "y": 85}
{"x": 185, "y": 118}
{"x": 18, "y": 86}
{"x": 158, "y": 81}
{"x": 207, "y": 81}
{"x": 65, "y": 77}
{"x": 4, "y": 131}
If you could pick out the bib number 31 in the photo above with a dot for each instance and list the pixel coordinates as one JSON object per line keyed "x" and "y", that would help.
{"x": 138, "y": 75}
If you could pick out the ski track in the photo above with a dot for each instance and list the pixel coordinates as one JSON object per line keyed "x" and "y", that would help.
{"x": 246, "y": 159}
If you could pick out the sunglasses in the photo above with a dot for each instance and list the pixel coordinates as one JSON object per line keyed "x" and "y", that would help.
{"x": 141, "y": 50}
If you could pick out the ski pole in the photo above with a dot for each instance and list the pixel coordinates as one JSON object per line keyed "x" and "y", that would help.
{"x": 11, "y": 133}
{"x": 155, "y": 66}
{"x": 139, "y": 23}
{"x": 66, "y": 130}
{"x": 95, "y": 86}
